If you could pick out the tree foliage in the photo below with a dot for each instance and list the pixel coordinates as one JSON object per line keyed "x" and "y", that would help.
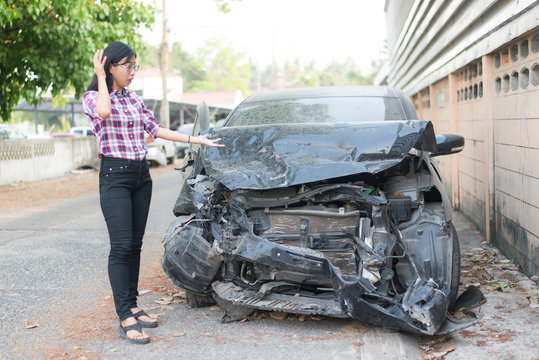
{"x": 216, "y": 66}
{"x": 148, "y": 56}
{"x": 191, "y": 69}
{"x": 226, "y": 69}
{"x": 296, "y": 74}
{"x": 47, "y": 45}
{"x": 224, "y": 5}
{"x": 180, "y": 62}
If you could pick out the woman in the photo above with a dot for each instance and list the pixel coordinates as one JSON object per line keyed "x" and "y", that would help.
{"x": 119, "y": 119}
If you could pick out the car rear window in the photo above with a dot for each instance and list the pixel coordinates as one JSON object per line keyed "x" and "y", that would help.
{"x": 318, "y": 110}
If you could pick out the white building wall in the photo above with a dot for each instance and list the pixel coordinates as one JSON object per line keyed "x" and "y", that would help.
{"x": 151, "y": 87}
{"x": 472, "y": 68}
{"x": 33, "y": 160}
{"x": 440, "y": 37}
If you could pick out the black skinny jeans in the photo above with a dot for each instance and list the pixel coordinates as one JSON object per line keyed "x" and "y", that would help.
{"x": 125, "y": 191}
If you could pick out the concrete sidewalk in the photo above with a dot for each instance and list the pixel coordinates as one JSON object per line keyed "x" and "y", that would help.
{"x": 509, "y": 327}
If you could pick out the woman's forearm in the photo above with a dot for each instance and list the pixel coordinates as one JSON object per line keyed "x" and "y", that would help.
{"x": 103, "y": 105}
{"x": 171, "y": 135}
{"x": 168, "y": 134}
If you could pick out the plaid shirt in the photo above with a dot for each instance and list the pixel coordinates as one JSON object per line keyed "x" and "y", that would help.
{"x": 122, "y": 134}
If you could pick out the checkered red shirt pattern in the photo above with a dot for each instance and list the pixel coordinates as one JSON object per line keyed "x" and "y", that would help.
{"x": 122, "y": 134}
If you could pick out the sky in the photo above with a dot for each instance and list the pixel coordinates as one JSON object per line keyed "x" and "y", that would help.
{"x": 279, "y": 30}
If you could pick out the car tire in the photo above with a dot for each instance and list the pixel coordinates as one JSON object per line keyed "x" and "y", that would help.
{"x": 170, "y": 160}
{"x": 197, "y": 301}
{"x": 190, "y": 262}
{"x": 455, "y": 269}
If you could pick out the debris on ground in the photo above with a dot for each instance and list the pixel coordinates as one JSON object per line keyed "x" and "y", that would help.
{"x": 507, "y": 290}
{"x": 439, "y": 355}
{"x": 31, "y": 325}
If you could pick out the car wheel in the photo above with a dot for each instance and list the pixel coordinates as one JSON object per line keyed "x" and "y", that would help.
{"x": 455, "y": 269}
{"x": 171, "y": 159}
{"x": 190, "y": 262}
{"x": 197, "y": 301}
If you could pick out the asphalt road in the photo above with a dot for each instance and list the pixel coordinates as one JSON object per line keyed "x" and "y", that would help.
{"x": 55, "y": 301}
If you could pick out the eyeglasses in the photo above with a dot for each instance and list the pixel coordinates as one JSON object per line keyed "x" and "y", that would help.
{"x": 129, "y": 66}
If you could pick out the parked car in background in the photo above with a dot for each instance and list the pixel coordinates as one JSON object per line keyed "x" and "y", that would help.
{"x": 81, "y": 131}
{"x": 8, "y": 132}
{"x": 323, "y": 201}
{"x": 160, "y": 151}
{"x": 181, "y": 147}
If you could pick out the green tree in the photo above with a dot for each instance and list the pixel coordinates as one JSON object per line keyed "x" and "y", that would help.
{"x": 51, "y": 122}
{"x": 47, "y": 45}
{"x": 191, "y": 69}
{"x": 180, "y": 62}
{"x": 224, "y": 5}
{"x": 226, "y": 69}
{"x": 295, "y": 74}
{"x": 148, "y": 56}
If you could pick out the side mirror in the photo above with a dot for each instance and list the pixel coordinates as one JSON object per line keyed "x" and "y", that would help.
{"x": 201, "y": 126}
{"x": 449, "y": 144}
{"x": 202, "y": 119}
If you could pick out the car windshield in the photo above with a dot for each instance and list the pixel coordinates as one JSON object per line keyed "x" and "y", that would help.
{"x": 318, "y": 110}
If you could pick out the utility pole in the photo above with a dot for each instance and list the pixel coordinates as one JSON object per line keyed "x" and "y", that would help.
{"x": 164, "y": 112}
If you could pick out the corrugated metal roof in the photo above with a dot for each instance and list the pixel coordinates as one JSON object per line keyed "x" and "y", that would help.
{"x": 439, "y": 37}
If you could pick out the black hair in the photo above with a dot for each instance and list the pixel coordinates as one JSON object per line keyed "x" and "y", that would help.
{"x": 115, "y": 52}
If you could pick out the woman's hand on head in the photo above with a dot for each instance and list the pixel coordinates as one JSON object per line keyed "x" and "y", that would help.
{"x": 99, "y": 63}
{"x": 204, "y": 140}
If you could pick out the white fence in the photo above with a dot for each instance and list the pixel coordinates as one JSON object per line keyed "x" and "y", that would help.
{"x": 32, "y": 160}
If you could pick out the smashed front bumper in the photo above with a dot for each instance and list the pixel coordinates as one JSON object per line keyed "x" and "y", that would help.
{"x": 421, "y": 309}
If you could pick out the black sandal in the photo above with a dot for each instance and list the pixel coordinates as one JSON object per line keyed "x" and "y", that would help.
{"x": 137, "y": 327}
{"x": 145, "y": 324}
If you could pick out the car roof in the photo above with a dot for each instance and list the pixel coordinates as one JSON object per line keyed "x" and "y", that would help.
{"x": 329, "y": 91}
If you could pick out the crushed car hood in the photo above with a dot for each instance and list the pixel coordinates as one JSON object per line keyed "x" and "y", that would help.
{"x": 274, "y": 156}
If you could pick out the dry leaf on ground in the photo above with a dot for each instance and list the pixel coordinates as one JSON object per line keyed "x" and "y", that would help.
{"x": 278, "y": 315}
{"x": 439, "y": 354}
{"x": 180, "y": 295}
{"x": 165, "y": 300}
{"x": 30, "y": 325}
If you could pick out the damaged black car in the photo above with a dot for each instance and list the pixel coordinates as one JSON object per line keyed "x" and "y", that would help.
{"x": 323, "y": 201}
